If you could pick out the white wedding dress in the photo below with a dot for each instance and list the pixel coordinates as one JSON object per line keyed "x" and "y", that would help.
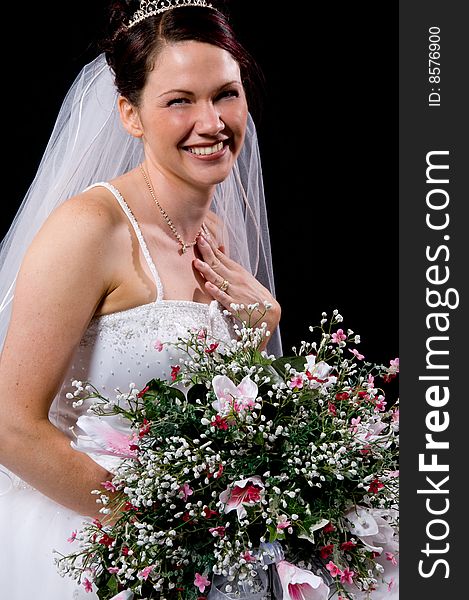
{"x": 116, "y": 350}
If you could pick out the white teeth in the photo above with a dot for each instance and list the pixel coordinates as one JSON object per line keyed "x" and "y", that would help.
{"x": 206, "y": 150}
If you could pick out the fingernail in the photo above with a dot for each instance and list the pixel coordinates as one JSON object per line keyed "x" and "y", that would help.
{"x": 201, "y": 240}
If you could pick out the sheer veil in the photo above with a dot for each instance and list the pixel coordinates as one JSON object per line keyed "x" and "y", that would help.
{"x": 88, "y": 144}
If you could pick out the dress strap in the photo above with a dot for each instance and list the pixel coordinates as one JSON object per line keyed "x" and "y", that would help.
{"x": 141, "y": 240}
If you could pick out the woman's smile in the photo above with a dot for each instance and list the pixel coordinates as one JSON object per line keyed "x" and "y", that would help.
{"x": 208, "y": 152}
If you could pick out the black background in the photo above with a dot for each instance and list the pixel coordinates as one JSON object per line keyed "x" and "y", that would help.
{"x": 328, "y": 137}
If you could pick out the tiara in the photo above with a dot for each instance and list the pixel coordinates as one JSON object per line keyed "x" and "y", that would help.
{"x": 148, "y": 8}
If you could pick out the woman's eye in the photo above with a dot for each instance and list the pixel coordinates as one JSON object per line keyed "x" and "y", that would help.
{"x": 229, "y": 94}
{"x": 176, "y": 101}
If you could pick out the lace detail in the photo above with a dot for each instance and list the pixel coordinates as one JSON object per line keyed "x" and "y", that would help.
{"x": 170, "y": 318}
{"x": 138, "y": 232}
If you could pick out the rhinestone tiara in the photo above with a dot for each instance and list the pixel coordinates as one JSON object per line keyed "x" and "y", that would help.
{"x": 148, "y": 8}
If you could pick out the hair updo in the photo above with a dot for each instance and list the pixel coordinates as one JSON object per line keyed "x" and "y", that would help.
{"x": 131, "y": 52}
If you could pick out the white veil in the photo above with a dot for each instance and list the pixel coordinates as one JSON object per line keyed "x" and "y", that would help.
{"x": 89, "y": 144}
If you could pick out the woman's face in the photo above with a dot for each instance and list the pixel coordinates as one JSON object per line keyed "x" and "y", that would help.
{"x": 193, "y": 113}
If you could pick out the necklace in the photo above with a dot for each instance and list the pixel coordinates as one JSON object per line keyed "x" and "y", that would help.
{"x": 184, "y": 245}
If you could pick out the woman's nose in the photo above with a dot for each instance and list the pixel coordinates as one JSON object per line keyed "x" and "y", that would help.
{"x": 208, "y": 120}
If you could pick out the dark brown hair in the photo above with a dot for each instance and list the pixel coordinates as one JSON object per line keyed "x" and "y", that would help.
{"x": 131, "y": 52}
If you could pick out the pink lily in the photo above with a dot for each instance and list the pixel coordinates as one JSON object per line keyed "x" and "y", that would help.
{"x": 110, "y": 436}
{"x": 299, "y": 584}
{"x": 247, "y": 492}
{"x": 231, "y": 397}
{"x": 370, "y": 433}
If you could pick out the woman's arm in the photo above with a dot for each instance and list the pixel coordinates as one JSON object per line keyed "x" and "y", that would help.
{"x": 65, "y": 274}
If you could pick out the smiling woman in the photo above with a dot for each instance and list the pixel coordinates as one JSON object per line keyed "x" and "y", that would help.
{"x": 146, "y": 219}
{"x": 193, "y": 112}
{"x": 121, "y": 267}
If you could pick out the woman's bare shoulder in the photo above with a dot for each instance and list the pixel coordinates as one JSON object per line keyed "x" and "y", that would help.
{"x": 96, "y": 208}
{"x": 83, "y": 230}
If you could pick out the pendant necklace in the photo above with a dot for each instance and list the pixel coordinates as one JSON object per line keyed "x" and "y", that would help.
{"x": 184, "y": 245}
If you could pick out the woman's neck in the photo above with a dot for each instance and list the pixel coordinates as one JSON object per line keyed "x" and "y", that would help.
{"x": 185, "y": 205}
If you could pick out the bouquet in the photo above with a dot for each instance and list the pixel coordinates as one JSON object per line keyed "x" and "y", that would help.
{"x": 245, "y": 476}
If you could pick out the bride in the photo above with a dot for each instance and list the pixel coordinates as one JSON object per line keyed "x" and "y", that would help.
{"x": 146, "y": 219}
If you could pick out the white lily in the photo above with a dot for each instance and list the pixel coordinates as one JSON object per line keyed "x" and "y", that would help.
{"x": 319, "y": 373}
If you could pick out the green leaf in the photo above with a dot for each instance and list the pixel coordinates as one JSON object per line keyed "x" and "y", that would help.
{"x": 297, "y": 362}
{"x": 176, "y": 393}
{"x": 272, "y": 533}
{"x": 113, "y": 585}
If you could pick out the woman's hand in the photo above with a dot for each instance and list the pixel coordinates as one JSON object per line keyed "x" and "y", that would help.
{"x": 240, "y": 287}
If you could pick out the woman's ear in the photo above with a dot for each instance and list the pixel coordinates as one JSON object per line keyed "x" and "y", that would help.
{"x": 130, "y": 117}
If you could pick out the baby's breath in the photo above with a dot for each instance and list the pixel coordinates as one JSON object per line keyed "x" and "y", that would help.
{"x": 261, "y": 458}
